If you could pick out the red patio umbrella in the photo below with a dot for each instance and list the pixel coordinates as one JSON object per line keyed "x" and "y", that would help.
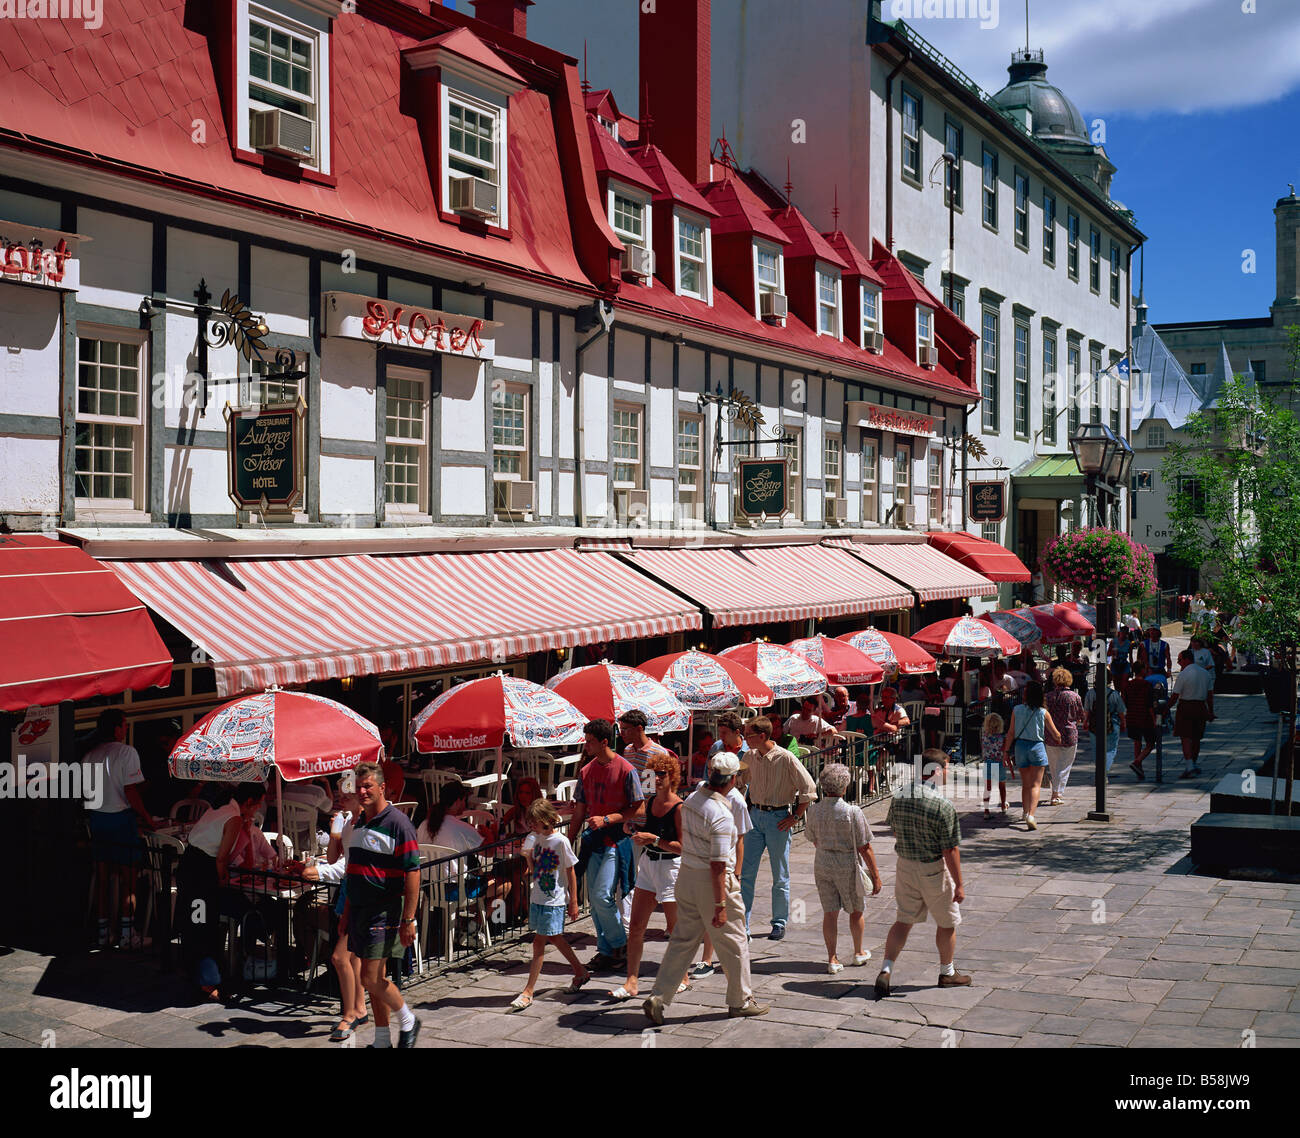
{"x": 1053, "y": 628}
{"x": 704, "y": 682}
{"x": 842, "y": 663}
{"x": 966, "y": 636}
{"x": 606, "y": 691}
{"x": 890, "y": 650}
{"x": 1068, "y": 615}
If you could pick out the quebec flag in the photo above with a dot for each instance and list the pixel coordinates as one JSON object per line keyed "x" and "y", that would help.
{"x": 1123, "y": 367}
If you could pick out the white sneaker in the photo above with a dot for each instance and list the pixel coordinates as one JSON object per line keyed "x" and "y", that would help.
{"x": 835, "y": 967}
{"x": 1029, "y": 821}
{"x": 861, "y": 958}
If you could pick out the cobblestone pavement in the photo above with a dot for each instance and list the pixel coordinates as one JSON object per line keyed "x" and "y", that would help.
{"x": 1078, "y": 934}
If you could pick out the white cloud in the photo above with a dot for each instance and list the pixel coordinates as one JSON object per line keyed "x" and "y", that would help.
{"x": 1150, "y": 56}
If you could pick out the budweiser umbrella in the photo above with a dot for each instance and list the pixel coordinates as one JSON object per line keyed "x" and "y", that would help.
{"x": 842, "y": 663}
{"x": 1053, "y": 628}
{"x": 486, "y": 712}
{"x": 605, "y": 691}
{"x": 891, "y": 651}
{"x": 789, "y": 675}
{"x": 1085, "y": 610}
{"x": 1069, "y": 615}
{"x": 704, "y": 682}
{"x": 966, "y": 636}
{"x": 294, "y": 734}
{"x": 1021, "y": 627}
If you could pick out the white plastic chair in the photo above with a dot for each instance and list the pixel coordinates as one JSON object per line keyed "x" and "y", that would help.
{"x": 160, "y": 847}
{"x": 477, "y": 818}
{"x": 565, "y": 791}
{"x": 407, "y": 808}
{"x": 435, "y": 885}
{"x": 855, "y": 758}
{"x": 188, "y": 811}
{"x": 298, "y": 824}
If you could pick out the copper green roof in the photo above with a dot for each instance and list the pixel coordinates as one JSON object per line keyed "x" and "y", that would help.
{"x": 1051, "y": 466}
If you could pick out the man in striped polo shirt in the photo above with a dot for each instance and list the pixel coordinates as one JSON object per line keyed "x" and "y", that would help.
{"x": 383, "y": 887}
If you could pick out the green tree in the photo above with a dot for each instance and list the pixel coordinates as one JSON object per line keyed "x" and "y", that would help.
{"x": 1236, "y": 513}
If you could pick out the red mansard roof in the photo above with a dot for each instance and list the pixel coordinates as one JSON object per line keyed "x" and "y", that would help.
{"x": 671, "y": 182}
{"x": 740, "y": 210}
{"x": 125, "y": 96}
{"x": 858, "y": 264}
{"x": 805, "y": 241}
{"x": 613, "y": 161}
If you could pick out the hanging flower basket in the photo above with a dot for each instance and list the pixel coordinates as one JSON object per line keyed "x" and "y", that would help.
{"x": 1099, "y": 562}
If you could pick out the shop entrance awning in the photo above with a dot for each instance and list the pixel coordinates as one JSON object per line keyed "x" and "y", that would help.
{"x": 985, "y": 557}
{"x": 291, "y": 620}
{"x": 931, "y": 575}
{"x": 756, "y": 584}
{"x": 69, "y": 628}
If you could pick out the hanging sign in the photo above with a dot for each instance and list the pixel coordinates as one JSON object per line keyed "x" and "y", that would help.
{"x": 264, "y": 445}
{"x": 763, "y": 485}
{"x": 987, "y": 501}
{"x": 35, "y": 256}
{"x": 409, "y": 326}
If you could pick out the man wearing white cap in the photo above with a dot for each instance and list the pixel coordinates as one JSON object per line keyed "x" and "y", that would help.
{"x": 708, "y": 896}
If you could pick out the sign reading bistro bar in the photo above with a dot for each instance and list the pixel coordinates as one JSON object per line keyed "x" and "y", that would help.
{"x": 763, "y": 485}
{"x": 408, "y": 326}
{"x": 264, "y": 445}
{"x": 987, "y": 501}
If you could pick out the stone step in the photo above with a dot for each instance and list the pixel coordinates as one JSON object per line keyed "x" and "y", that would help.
{"x": 1235, "y": 841}
{"x": 1229, "y": 797}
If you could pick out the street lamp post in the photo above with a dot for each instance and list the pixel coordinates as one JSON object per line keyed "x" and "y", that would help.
{"x": 1104, "y": 461}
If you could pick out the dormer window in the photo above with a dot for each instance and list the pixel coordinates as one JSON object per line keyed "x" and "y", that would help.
{"x": 629, "y": 216}
{"x": 828, "y": 303}
{"x": 769, "y": 273}
{"x": 925, "y": 353}
{"x": 870, "y": 313}
{"x": 611, "y": 127}
{"x": 283, "y": 81}
{"x": 692, "y": 245}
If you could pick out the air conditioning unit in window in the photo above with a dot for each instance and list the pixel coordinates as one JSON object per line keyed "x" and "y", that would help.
{"x": 837, "y": 511}
{"x": 929, "y": 355}
{"x": 638, "y": 262}
{"x": 632, "y": 506}
{"x": 511, "y": 497}
{"x": 773, "y": 306}
{"x": 280, "y": 132}
{"x": 875, "y": 342}
{"x": 473, "y": 197}
{"x": 903, "y": 516}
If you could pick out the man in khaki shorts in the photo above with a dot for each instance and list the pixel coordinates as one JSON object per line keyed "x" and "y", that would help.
{"x": 928, "y": 875}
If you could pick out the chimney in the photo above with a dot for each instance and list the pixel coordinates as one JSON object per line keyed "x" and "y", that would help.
{"x": 1287, "y": 214}
{"x": 512, "y": 15}
{"x": 674, "y": 48}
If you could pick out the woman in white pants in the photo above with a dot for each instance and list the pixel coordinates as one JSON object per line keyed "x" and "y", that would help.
{"x": 1066, "y": 709}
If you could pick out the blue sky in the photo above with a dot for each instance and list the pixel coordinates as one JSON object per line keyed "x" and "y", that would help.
{"x": 1200, "y": 100}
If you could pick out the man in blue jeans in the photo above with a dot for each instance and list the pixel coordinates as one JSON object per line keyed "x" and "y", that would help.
{"x": 776, "y": 779}
{"x": 608, "y": 794}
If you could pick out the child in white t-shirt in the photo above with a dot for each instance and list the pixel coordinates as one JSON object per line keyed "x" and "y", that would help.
{"x": 555, "y": 888}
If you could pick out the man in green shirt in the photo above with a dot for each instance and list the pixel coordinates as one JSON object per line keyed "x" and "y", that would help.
{"x": 928, "y": 875}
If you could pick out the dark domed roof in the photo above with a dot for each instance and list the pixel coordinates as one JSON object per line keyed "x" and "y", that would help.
{"x": 1054, "y": 118}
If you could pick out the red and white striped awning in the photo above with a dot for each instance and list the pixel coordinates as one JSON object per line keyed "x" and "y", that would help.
{"x": 291, "y": 620}
{"x": 925, "y": 570}
{"x": 755, "y": 584}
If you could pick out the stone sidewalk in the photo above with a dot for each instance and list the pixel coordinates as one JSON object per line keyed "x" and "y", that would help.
{"x": 1078, "y": 934}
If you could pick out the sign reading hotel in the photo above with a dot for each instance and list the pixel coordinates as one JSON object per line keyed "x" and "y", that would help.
{"x": 987, "y": 501}
{"x": 264, "y": 445}
{"x": 408, "y": 326}
{"x": 877, "y": 418}
{"x": 43, "y": 257}
{"x": 763, "y": 485}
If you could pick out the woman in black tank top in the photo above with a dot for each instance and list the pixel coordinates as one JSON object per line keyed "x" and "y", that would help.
{"x": 658, "y": 835}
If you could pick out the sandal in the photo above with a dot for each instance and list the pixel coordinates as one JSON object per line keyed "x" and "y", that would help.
{"x": 519, "y": 1003}
{"x": 345, "y": 1030}
{"x": 619, "y": 993}
{"x": 579, "y": 981}
{"x": 684, "y": 986}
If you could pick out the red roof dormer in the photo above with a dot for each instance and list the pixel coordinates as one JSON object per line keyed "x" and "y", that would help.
{"x": 673, "y": 193}
{"x": 806, "y": 249}
{"x": 902, "y": 296}
{"x": 742, "y": 219}
{"x": 613, "y": 161}
{"x": 858, "y": 276}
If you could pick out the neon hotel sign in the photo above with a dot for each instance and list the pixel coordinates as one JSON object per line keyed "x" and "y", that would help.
{"x": 408, "y": 326}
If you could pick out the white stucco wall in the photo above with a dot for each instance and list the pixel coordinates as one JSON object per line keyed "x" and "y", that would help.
{"x": 29, "y": 475}
{"x": 347, "y": 485}
{"x": 347, "y": 408}
{"x": 30, "y": 331}
{"x": 116, "y": 264}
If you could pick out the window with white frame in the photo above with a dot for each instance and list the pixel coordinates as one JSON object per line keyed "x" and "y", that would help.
{"x": 902, "y": 482}
{"x": 692, "y": 258}
{"x": 1049, "y": 389}
{"x": 1072, "y": 244}
{"x": 911, "y": 165}
{"x": 1049, "y": 228}
{"x": 792, "y": 452}
{"x": 1022, "y": 210}
{"x": 406, "y": 449}
{"x": 832, "y": 466}
{"x": 952, "y": 141}
{"x": 989, "y": 369}
{"x": 1094, "y": 388}
{"x": 284, "y": 61}
{"x": 1116, "y": 404}
{"x": 828, "y": 303}
{"x": 934, "y": 477}
{"x": 627, "y": 214}
{"x": 990, "y": 188}
{"x": 510, "y": 433}
{"x": 870, "y": 480}
{"x": 1020, "y": 394}
{"x": 1156, "y": 436}
{"x": 110, "y": 442}
{"x": 625, "y": 448}
{"x": 689, "y": 463}
{"x": 1094, "y": 259}
{"x": 1114, "y": 272}
{"x": 1073, "y": 364}
{"x": 924, "y": 332}
{"x": 870, "y": 312}
{"x": 474, "y": 145}
{"x": 989, "y": 532}
{"x": 609, "y": 125}
{"x": 769, "y": 271}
